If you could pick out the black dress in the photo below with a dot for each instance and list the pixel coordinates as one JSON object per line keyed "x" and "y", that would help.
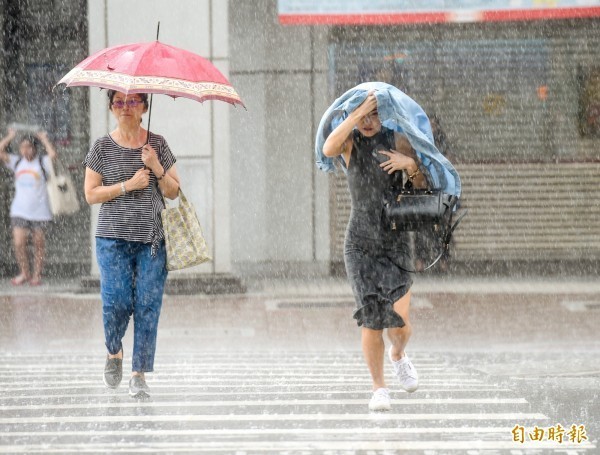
{"x": 374, "y": 256}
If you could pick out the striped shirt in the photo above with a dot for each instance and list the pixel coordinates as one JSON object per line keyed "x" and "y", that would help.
{"x": 135, "y": 216}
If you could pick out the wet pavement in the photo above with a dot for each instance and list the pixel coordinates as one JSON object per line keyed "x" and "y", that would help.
{"x": 279, "y": 370}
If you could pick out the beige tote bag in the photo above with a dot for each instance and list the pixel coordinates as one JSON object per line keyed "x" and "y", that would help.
{"x": 184, "y": 241}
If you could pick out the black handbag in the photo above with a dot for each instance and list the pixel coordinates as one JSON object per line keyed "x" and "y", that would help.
{"x": 422, "y": 210}
{"x": 416, "y": 209}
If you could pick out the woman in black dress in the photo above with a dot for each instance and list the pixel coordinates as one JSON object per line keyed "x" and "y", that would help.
{"x": 376, "y": 259}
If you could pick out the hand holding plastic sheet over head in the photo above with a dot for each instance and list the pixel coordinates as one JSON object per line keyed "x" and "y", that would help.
{"x": 396, "y": 111}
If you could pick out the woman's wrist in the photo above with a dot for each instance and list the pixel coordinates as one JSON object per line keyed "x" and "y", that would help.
{"x": 414, "y": 175}
{"x": 413, "y": 171}
{"x": 160, "y": 175}
{"x": 414, "y": 167}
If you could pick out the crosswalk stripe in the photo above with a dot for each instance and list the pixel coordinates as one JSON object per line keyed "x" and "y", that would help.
{"x": 270, "y": 364}
{"x": 162, "y": 393}
{"x": 363, "y": 387}
{"x": 204, "y": 371}
{"x": 513, "y": 416}
{"x": 49, "y": 385}
{"x": 225, "y": 374}
{"x": 223, "y": 403}
{"x": 267, "y": 446}
{"x": 267, "y": 431}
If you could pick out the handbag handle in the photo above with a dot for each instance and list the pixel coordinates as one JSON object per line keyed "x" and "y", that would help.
{"x": 445, "y": 246}
{"x": 58, "y": 168}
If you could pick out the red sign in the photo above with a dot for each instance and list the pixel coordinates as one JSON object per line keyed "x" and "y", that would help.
{"x": 332, "y": 12}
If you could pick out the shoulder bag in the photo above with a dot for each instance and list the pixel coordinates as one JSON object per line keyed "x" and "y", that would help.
{"x": 184, "y": 240}
{"x": 422, "y": 210}
{"x": 61, "y": 191}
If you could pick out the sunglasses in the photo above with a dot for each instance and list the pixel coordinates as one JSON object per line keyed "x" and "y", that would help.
{"x": 130, "y": 103}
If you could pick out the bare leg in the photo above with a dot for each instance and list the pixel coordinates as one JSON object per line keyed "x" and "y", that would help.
{"x": 373, "y": 349}
{"x": 20, "y": 237}
{"x": 39, "y": 243}
{"x": 399, "y": 336}
{"x": 118, "y": 355}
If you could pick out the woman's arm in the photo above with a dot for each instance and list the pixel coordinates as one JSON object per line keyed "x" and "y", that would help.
{"x": 415, "y": 175}
{"x": 337, "y": 143}
{"x": 168, "y": 181}
{"x": 169, "y": 184}
{"x": 96, "y": 193}
{"x": 4, "y": 143}
{"x": 404, "y": 158}
{"x": 50, "y": 149}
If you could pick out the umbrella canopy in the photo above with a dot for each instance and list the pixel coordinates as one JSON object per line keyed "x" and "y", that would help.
{"x": 153, "y": 67}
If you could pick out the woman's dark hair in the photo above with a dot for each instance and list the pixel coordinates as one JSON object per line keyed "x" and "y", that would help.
{"x": 34, "y": 141}
{"x": 111, "y": 95}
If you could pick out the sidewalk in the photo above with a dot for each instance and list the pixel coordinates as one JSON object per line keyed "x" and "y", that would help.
{"x": 332, "y": 286}
{"x": 449, "y": 314}
{"x": 438, "y": 285}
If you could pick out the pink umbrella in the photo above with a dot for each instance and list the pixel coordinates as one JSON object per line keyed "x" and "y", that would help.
{"x": 153, "y": 67}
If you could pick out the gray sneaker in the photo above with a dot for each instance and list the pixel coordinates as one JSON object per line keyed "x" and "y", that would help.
{"x": 138, "y": 387}
{"x": 113, "y": 372}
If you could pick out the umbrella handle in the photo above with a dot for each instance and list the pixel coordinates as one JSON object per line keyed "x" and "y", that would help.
{"x": 150, "y": 107}
{"x": 149, "y": 117}
{"x": 148, "y": 130}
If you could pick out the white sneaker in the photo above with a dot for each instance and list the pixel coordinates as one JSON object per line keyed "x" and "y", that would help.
{"x": 405, "y": 371}
{"x": 380, "y": 401}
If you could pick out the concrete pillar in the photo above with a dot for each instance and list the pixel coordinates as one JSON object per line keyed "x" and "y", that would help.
{"x": 279, "y": 200}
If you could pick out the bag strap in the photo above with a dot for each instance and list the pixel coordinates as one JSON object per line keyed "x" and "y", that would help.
{"x": 57, "y": 168}
{"x": 445, "y": 245}
{"x": 180, "y": 195}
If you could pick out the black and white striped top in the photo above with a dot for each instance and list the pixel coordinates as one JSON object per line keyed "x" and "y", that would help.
{"x": 135, "y": 216}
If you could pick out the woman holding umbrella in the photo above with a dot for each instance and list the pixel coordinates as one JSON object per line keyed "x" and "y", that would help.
{"x": 129, "y": 171}
{"x": 378, "y": 135}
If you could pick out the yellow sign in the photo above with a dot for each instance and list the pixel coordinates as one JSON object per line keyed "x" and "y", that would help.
{"x": 557, "y": 433}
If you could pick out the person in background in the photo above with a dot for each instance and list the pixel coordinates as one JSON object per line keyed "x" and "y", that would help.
{"x": 128, "y": 171}
{"x": 30, "y": 208}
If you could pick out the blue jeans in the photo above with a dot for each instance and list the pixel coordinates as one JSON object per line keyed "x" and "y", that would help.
{"x": 131, "y": 283}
